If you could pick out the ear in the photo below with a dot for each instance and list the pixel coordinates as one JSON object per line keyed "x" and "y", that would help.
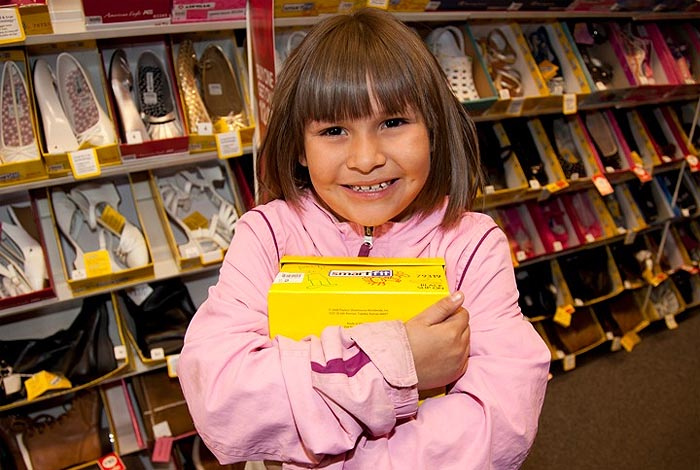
{"x": 302, "y": 160}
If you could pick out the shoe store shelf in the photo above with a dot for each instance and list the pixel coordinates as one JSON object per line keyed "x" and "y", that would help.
{"x": 164, "y": 263}
{"x": 127, "y": 166}
{"x": 133, "y": 31}
{"x": 458, "y": 16}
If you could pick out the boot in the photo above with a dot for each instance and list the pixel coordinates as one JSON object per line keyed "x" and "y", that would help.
{"x": 69, "y": 439}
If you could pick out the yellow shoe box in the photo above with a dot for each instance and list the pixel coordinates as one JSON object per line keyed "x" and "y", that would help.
{"x": 310, "y": 293}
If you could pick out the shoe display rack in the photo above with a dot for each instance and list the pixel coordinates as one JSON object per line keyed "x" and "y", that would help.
{"x": 598, "y": 198}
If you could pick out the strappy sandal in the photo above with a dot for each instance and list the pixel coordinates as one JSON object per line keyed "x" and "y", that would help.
{"x": 17, "y": 140}
{"x": 567, "y": 153}
{"x": 501, "y": 59}
{"x": 447, "y": 44}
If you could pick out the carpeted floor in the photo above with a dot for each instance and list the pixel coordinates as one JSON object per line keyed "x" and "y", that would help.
{"x": 637, "y": 410}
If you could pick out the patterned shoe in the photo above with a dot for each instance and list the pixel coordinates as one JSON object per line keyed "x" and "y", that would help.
{"x": 87, "y": 118}
{"x": 447, "y": 44}
{"x": 17, "y": 140}
{"x": 156, "y": 99}
{"x": 197, "y": 114}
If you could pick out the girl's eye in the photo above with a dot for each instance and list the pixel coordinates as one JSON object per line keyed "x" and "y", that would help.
{"x": 394, "y": 122}
{"x": 332, "y": 131}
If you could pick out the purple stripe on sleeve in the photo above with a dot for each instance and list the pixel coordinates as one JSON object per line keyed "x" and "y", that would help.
{"x": 338, "y": 366}
{"x": 464, "y": 273}
{"x": 277, "y": 249}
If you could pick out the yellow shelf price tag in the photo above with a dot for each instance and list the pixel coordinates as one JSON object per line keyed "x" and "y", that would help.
{"x": 629, "y": 340}
{"x": 563, "y": 315}
{"x": 84, "y": 164}
{"x": 11, "y": 29}
{"x": 228, "y": 144}
{"x": 44, "y": 381}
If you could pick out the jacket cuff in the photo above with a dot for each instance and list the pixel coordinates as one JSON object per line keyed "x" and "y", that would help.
{"x": 386, "y": 344}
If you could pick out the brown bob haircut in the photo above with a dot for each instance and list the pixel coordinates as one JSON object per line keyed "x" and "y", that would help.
{"x": 331, "y": 75}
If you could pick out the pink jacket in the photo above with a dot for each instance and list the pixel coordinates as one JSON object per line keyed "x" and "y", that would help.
{"x": 347, "y": 399}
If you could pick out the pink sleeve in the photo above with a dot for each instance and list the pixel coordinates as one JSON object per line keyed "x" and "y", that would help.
{"x": 253, "y": 398}
{"x": 489, "y": 418}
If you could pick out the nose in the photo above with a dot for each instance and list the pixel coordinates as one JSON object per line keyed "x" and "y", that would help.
{"x": 365, "y": 154}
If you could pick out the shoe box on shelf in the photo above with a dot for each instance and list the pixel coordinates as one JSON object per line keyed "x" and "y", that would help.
{"x": 156, "y": 316}
{"x": 292, "y": 8}
{"x": 126, "y": 13}
{"x": 60, "y": 350}
{"x": 513, "y": 70}
{"x": 622, "y": 318}
{"x": 687, "y": 203}
{"x": 544, "y": 293}
{"x": 211, "y": 77}
{"x": 199, "y": 210}
{"x": 71, "y": 432}
{"x": 665, "y": 135}
{"x": 505, "y": 179}
{"x": 560, "y": 64}
{"x": 457, "y": 53}
{"x": 607, "y": 144}
{"x": 69, "y": 90}
{"x": 554, "y": 224}
{"x": 523, "y": 237}
{"x": 144, "y": 98}
{"x": 194, "y": 11}
{"x": 100, "y": 233}
{"x": 592, "y": 275}
{"x": 583, "y": 333}
{"x": 536, "y": 155}
{"x": 20, "y": 159}
{"x": 625, "y": 213}
{"x": 24, "y": 273}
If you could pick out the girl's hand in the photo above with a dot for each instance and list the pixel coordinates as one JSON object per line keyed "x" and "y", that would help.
{"x": 439, "y": 339}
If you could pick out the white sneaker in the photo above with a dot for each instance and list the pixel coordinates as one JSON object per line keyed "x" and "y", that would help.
{"x": 447, "y": 44}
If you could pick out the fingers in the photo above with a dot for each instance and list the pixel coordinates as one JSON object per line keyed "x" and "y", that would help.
{"x": 443, "y": 309}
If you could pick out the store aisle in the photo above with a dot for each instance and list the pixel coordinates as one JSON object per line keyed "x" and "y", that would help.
{"x": 638, "y": 410}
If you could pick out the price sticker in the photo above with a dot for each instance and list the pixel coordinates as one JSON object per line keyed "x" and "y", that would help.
{"x": 515, "y": 108}
{"x": 569, "y": 103}
{"x": 134, "y": 137}
{"x": 205, "y": 128}
{"x": 228, "y": 144}
{"x": 569, "y": 362}
{"x": 172, "y": 361}
{"x": 84, "y": 164}
{"x": 602, "y": 184}
{"x": 120, "y": 352}
{"x": 563, "y": 316}
{"x": 11, "y": 29}
{"x": 671, "y": 323}
{"x": 629, "y": 340}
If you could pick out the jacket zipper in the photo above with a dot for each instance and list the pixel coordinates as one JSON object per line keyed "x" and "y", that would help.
{"x": 368, "y": 241}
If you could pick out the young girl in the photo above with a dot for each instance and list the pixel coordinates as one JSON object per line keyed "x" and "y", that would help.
{"x": 367, "y": 153}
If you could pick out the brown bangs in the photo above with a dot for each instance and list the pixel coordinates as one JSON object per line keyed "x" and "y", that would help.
{"x": 349, "y": 67}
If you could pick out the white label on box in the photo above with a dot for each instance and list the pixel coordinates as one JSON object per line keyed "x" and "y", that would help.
{"x": 215, "y": 89}
{"x": 590, "y": 238}
{"x": 616, "y": 344}
{"x": 78, "y": 274}
{"x": 432, "y": 5}
{"x": 569, "y": 103}
{"x": 138, "y": 294}
{"x": 162, "y": 429}
{"x": 205, "y": 128}
{"x": 534, "y": 184}
{"x": 569, "y": 362}
{"x": 120, "y": 352}
{"x": 490, "y": 189}
{"x": 504, "y": 94}
{"x": 12, "y": 384}
{"x": 157, "y": 353}
{"x": 557, "y": 246}
{"x": 520, "y": 255}
{"x": 134, "y": 137}
{"x": 578, "y": 302}
{"x": 671, "y": 323}
{"x": 213, "y": 256}
{"x": 289, "y": 278}
{"x": 189, "y": 252}
{"x": 685, "y": 212}
{"x": 171, "y": 361}
{"x": 609, "y": 169}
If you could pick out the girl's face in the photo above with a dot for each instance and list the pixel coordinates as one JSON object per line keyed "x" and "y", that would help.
{"x": 368, "y": 170}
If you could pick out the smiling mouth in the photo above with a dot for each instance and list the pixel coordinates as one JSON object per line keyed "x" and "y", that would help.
{"x": 372, "y": 188}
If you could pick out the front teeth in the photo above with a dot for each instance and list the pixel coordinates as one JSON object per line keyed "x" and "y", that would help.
{"x": 374, "y": 187}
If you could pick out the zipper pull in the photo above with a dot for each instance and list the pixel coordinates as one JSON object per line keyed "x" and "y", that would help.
{"x": 368, "y": 241}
